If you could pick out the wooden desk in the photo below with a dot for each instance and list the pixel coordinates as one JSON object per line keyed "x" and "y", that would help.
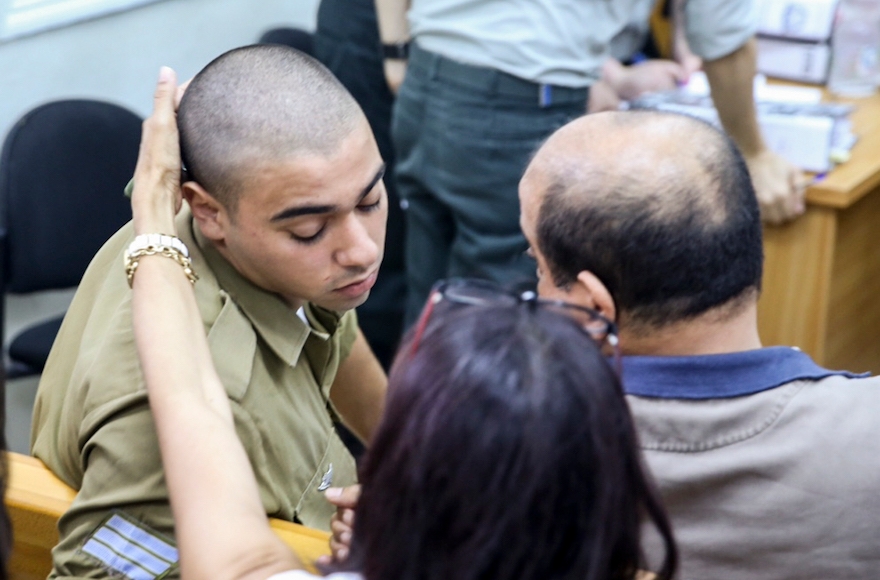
{"x": 822, "y": 271}
{"x": 36, "y": 499}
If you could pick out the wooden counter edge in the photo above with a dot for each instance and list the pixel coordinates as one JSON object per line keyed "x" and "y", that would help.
{"x": 36, "y": 498}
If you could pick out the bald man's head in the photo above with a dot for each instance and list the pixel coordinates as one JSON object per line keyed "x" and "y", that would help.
{"x": 659, "y": 207}
{"x": 258, "y": 104}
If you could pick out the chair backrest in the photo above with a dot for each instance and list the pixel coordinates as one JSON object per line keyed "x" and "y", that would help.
{"x": 36, "y": 499}
{"x": 63, "y": 169}
{"x": 297, "y": 38}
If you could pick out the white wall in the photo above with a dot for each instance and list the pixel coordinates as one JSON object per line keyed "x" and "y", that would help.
{"x": 117, "y": 57}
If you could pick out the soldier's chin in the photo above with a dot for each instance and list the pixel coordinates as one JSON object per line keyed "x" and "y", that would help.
{"x": 342, "y": 304}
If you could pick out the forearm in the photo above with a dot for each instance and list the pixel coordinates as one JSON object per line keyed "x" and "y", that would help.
{"x": 220, "y": 520}
{"x": 391, "y": 15}
{"x": 679, "y": 38}
{"x": 358, "y": 392}
{"x": 172, "y": 346}
{"x": 731, "y": 80}
{"x": 221, "y": 525}
{"x": 779, "y": 185}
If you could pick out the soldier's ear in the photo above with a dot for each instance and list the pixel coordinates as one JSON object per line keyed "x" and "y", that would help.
{"x": 211, "y": 216}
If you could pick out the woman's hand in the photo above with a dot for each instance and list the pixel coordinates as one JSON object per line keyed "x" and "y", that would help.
{"x": 156, "y": 197}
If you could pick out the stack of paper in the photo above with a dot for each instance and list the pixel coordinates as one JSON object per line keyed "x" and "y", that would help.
{"x": 794, "y": 39}
{"x": 810, "y": 134}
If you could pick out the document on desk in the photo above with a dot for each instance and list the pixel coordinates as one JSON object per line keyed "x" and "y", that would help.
{"x": 795, "y": 124}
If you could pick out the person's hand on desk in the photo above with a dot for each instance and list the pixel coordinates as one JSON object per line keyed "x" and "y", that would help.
{"x": 779, "y": 185}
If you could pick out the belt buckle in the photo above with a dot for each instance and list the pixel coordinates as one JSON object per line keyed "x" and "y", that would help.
{"x": 545, "y": 95}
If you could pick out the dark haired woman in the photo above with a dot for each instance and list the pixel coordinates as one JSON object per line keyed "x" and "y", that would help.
{"x": 506, "y": 451}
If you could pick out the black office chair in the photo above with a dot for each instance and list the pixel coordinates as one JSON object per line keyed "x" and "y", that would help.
{"x": 297, "y": 38}
{"x": 63, "y": 169}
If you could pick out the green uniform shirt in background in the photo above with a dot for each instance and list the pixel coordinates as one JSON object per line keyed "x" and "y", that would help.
{"x": 92, "y": 424}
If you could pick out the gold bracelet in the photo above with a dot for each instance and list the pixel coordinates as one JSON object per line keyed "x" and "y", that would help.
{"x": 166, "y": 246}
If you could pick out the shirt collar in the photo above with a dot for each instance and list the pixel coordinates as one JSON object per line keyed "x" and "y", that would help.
{"x": 276, "y": 322}
{"x": 720, "y": 375}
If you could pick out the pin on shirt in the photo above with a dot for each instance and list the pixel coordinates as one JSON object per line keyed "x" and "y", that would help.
{"x": 327, "y": 479}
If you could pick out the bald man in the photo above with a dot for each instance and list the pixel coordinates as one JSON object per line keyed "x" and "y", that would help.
{"x": 285, "y": 224}
{"x": 766, "y": 461}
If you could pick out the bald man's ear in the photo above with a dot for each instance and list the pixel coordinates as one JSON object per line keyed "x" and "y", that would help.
{"x": 209, "y": 213}
{"x": 587, "y": 290}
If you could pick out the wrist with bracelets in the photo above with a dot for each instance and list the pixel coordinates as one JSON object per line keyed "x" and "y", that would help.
{"x": 157, "y": 245}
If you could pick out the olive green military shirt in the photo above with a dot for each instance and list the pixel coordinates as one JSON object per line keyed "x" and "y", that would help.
{"x": 92, "y": 424}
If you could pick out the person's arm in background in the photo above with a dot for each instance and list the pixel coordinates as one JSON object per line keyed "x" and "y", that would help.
{"x": 221, "y": 526}
{"x": 393, "y": 29}
{"x": 630, "y": 81}
{"x": 627, "y": 82}
{"x": 722, "y": 33}
{"x": 358, "y": 391}
{"x": 681, "y": 50}
{"x": 779, "y": 185}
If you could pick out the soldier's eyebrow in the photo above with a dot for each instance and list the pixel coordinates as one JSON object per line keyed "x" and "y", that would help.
{"x": 301, "y": 210}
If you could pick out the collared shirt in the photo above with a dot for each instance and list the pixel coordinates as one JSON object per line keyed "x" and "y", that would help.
{"x": 766, "y": 462}
{"x": 92, "y": 424}
{"x": 721, "y": 375}
{"x": 562, "y": 42}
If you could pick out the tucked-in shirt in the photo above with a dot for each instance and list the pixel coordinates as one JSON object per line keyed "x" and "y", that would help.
{"x": 767, "y": 463}
{"x": 562, "y": 42}
{"x": 92, "y": 423}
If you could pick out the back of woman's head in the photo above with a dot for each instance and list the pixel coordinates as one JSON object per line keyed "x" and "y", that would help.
{"x": 506, "y": 451}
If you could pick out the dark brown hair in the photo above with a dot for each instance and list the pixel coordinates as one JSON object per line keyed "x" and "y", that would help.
{"x": 506, "y": 451}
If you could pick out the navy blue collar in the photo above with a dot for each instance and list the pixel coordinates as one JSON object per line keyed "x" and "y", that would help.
{"x": 720, "y": 375}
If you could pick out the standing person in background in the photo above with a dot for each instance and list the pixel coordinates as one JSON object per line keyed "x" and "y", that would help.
{"x": 487, "y": 80}
{"x": 346, "y": 41}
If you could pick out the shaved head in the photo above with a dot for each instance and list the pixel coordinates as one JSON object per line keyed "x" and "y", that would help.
{"x": 255, "y": 105}
{"x": 658, "y": 206}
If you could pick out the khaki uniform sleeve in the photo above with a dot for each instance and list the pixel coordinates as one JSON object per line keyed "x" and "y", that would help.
{"x": 123, "y": 475}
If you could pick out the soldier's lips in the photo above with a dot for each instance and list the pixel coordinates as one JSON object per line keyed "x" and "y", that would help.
{"x": 358, "y": 288}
